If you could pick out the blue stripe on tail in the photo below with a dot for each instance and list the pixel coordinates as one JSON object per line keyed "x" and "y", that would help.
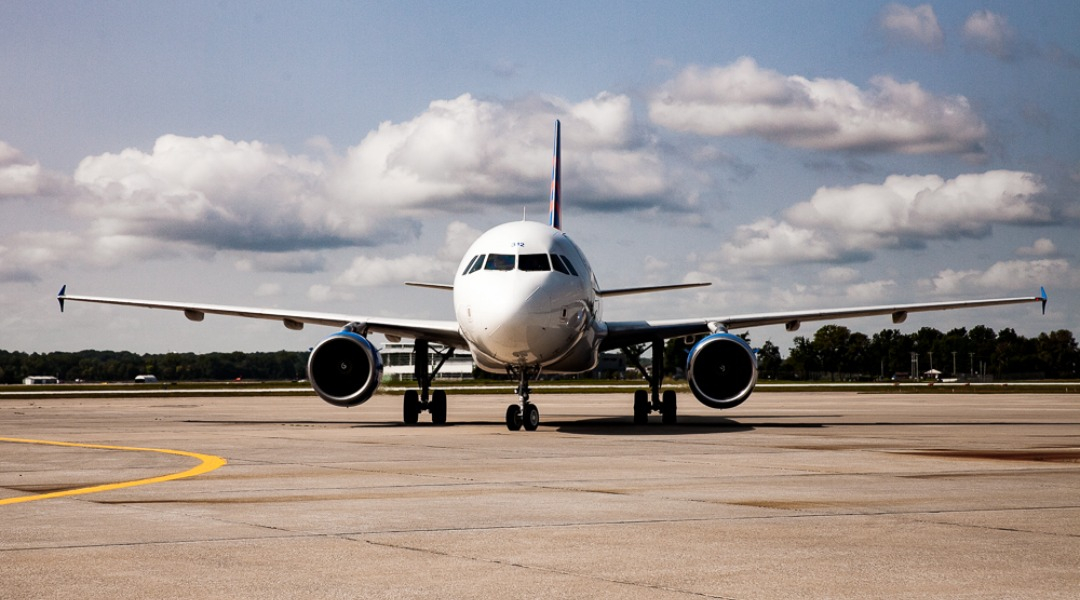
{"x": 555, "y": 208}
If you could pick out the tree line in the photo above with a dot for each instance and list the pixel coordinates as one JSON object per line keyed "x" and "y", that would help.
{"x": 106, "y": 365}
{"x": 834, "y": 352}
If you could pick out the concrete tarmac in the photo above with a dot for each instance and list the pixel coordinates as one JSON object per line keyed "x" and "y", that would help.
{"x": 825, "y": 495}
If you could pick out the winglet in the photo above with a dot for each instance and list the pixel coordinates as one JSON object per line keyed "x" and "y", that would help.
{"x": 555, "y": 208}
{"x": 1043, "y": 298}
{"x": 60, "y": 297}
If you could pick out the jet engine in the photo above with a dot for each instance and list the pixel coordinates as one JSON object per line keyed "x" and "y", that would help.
{"x": 345, "y": 369}
{"x": 722, "y": 370}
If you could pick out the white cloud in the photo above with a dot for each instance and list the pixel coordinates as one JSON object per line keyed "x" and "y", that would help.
{"x": 826, "y": 114}
{"x": 23, "y": 178}
{"x": 459, "y": 236}
{"x": 917, "y": 25}
{"x": 838, "y": 275}
{"x": 1041, "y": 247}
{"x": 322, "y": 293}
{"x": 375, "y": 271}
{"x": 266, "y": 290}
{"x": 24, "y": 256}
{"x": 871, "y": 291}
{"x": 218, "y": 193}
{"x": 372, "y": 271}
{"x": 768, "y": 241}
{"x": 208, "y": 194}
{"x": 1012, "y": 275}
{"x": 925, "y": 206}
{"x": 991, "y": 33}
{"x": 282, "y": 262}
{"x": 466, "y": 149}
{"x": 844, "y": 224}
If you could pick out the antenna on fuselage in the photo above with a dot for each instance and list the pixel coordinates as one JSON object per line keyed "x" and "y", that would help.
{"x": 555, "y": 207}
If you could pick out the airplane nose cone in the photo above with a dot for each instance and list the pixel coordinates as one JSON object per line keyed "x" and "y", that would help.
{"x": 521, "y": 328}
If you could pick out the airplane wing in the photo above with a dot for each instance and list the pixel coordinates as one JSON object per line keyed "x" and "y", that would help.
{"x": 442, "y": 332}
{"x": 625, "y": 333}
{"x": 649, "y": 289}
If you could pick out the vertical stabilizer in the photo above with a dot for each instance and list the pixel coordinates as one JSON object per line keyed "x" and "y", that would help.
{"x": 555, "y": 209}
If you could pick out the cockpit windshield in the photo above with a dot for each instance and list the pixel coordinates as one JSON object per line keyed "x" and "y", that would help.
{"x": 499, "y": 262}
{"x": 533, "y": 262}
{"x": 523, "y": 262}
{"x": 475, "y": 264}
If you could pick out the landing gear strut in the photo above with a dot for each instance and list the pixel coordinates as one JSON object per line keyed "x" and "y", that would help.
{"x": 524, "y": 414}
{"x": 417, "y": 401}
{"x": 646, "y": 402}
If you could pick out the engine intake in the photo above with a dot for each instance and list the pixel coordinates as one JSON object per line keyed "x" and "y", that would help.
{"x": 722, "y": 370}
{"x": 345, "y": 369}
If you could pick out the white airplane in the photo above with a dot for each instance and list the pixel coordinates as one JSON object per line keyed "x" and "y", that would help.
{"x": 526, "y": 301}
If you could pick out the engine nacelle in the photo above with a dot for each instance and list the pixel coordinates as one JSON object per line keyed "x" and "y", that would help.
{"x": 722, "y": 370}
{"x": 345, "y": 369}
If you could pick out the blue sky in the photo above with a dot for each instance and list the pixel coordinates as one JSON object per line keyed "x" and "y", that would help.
{"x": 314, "y": 156}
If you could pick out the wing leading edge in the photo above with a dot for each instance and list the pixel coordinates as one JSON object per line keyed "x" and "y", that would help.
{"x": 442, "y": 332}
{"x": 624, "y": 333}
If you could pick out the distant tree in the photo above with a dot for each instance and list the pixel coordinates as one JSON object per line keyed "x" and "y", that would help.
{"x": 1058, "y": 353}
{"x": 892, "y": 351}
{"x": 832, "y": 345}
{"x": 802, "y": 359}
{"x": 769, "y": 360}
{"x": 858, "y": 358}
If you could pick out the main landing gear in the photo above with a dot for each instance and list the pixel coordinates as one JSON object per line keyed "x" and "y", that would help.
{"x": 417, "y": 401}
{"x": 524, "y": 414}
{"x": 646, "y": 402}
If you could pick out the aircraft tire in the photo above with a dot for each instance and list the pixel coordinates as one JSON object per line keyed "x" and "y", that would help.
{"x": 669, "y": 408}
{"x": 411, "y": 409}
{"x": 641, "y": 407}
{"x": 438, "y": 407}
{"x": 532, "y": 417}
{"x": 513, "y": 417}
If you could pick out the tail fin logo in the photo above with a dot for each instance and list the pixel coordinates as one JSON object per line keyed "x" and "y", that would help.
{"x": 555, "y": 208}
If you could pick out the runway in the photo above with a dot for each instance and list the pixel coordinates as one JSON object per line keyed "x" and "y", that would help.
{"x": 790, "y": 495}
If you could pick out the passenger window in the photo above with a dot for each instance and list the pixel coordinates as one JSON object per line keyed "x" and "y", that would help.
{"x": 499, "y": 262}
{"x": 558, "y": 265}
{"x": 474, "y": 264}
{"x": 533, "y": 262}
{"x": 569, "y": 265}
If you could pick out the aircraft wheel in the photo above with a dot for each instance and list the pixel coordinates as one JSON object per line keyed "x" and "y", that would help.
{"x": 668, "y": 408}
{"x": 438, "y": 407}
{"x": 411, "y": 410}
{"x": 641, "y": 407}
{"x": 513, "y": 417}
{"x": 532, "y": 417}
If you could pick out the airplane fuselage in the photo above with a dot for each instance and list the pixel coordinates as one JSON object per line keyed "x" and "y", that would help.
{"x": 525, "y": 297}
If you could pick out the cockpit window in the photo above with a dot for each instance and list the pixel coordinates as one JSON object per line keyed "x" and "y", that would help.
{"x": 499, "y": 262}
{"x": 557, "y": 264}
{"x": 533, "y": 262}
{"x": 474, "y": 264}
{"x": 569, "y": 265}
{"x": 478, "y": 265}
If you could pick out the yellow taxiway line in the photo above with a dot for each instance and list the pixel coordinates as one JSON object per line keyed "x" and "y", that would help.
{"x": 208, "y": 463}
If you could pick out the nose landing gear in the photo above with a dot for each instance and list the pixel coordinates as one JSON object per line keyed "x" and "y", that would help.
{"x": 525, "y": 414}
